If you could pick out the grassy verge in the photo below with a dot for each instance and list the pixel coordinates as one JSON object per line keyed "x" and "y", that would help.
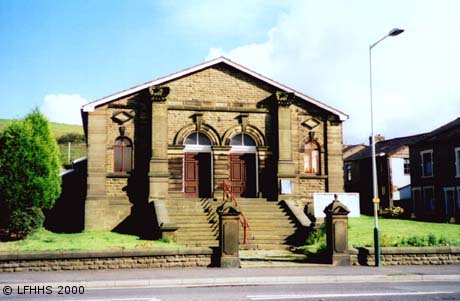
{"x": 396, "y": 232}
{"x": 393, "y": 233}
{"x": 44, "y": 240}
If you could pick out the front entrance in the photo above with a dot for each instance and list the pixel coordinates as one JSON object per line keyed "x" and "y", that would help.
{"x": 197, "y": 175}
{"x": 243, "y": 175}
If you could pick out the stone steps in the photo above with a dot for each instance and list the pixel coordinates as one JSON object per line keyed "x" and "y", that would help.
{"x": 198, "y": 222}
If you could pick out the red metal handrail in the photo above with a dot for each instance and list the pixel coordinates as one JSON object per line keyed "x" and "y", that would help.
{"x": 228, "y": 197}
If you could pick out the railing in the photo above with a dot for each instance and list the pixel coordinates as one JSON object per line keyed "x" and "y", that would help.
{"x": 228, "y": 197}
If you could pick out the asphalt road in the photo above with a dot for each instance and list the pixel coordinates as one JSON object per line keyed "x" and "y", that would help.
{"x": 388, "y": 291}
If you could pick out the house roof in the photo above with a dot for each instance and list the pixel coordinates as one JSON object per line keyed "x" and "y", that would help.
{"x": 385, "y": 147}
{"x": 351, "y": 149}
{"x": 443, "y": 133}
{"x": 89, "y": 107}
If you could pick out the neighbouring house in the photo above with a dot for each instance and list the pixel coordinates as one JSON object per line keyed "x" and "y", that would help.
{"x": 159, "y": 153}
{"x": 351, "y": 149}
{"x": 435, "y": 174}
{"x": 393, "y": 173}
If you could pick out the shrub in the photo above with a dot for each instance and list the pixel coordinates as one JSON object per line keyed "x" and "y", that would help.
{"x": 315, "y": 243}
{"x": 392, "y": 212}
{"x": 30, "y": 165}
{"x": 429, "y": 240}
{"x": 25, "y": 221}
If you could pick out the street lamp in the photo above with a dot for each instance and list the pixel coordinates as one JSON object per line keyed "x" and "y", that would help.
{"x": 375, "y": 200}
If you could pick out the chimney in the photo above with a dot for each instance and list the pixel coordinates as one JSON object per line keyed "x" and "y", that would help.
{"x": 378, "y": 138}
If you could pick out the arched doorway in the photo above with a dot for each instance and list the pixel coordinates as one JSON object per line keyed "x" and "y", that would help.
{"x": 243, "y": 166}
{"x": 197, "y": 167}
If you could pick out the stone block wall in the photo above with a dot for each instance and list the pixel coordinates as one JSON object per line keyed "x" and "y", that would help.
{"x": 96, "y": 260}
{"x": 408, "y": 256}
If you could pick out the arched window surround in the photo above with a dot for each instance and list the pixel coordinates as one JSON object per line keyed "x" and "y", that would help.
{"x": 311, "y": 155}
{"x": 122, "y": 155}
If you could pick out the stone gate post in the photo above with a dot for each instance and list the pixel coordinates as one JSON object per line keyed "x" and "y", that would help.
{"x": 229, "y": 227}
{"x": 337, "y": 232}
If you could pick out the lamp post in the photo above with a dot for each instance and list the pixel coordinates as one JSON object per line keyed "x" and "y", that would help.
{"x": 376, "y": 200}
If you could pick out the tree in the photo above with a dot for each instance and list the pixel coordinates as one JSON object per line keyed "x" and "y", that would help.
{"x": 30, "y": 180}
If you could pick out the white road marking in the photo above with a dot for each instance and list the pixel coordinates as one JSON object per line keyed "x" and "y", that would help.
{"x": 316, "y": 296}
{"x": 116, "y": 299}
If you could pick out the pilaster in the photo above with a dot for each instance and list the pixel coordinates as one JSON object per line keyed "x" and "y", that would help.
{"x": 286, "y": 167}
{"x": 159, "y": 174}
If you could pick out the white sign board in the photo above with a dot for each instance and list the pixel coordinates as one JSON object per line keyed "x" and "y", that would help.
{"x": 350, "y": 199}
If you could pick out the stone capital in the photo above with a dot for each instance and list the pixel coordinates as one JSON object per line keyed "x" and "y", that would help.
{"x": 284, "y": 98}
{"x": 158, "y": 94}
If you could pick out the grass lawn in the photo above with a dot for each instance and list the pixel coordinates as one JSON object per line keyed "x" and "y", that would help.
{"x": 77, "y": 150}
{"x": 44, "y": 240}
{"x": 393, "y": 231}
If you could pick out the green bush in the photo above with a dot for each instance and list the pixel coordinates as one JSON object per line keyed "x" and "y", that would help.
{"x": 318, "y": 235}
{"x": 30, "y": 165}
{"x": 392, "y": 212}
{"x": 429, "y": 240}
{"x": 315, "y": 243}
{"x": 25, "y": 221}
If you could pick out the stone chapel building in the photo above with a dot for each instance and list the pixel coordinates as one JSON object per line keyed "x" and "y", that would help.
{"x": 158, "y": 154}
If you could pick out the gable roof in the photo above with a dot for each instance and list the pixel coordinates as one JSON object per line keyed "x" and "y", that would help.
{"x": 444, "y": 133}
{"x": 349, "y": 150}
{"x": 387, "y": 147}
{"x": 89, "y": 107}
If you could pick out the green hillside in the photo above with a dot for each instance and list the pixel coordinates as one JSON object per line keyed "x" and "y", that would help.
{"x": 58, "y": 129}
{"x": 77, "y": 150}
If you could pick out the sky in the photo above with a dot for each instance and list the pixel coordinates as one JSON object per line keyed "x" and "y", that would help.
{"x": 58, "y": 55}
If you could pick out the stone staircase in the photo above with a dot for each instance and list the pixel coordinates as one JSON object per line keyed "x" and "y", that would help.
{"x": 198, "y": 226}
{"x": 270, "y": 224}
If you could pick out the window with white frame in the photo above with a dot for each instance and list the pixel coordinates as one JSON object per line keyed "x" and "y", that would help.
{"x": 348, "y": 171}
{"x": 457, "y": 161}
{"x": 458, "y": 198}
{"x": 428, "y": 198}
{"x": 406, "y": 166}
{"x": 427, "y": 163}
{"x": 449, "y": 201}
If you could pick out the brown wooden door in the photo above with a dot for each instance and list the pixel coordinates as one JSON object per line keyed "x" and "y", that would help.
{"x": 191, "y": 174}
{"x": 197, "y": 175}
{"x": 243, "y": 175}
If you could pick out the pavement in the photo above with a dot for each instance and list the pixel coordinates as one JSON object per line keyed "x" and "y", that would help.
{"x": 268, "y": 275}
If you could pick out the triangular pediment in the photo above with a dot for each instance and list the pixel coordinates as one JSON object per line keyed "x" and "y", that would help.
{"x": 207, "y": 65}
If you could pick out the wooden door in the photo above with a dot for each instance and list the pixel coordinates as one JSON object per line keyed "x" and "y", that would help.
{"x": 243, "y": 175}
{"x": 191, "y": 174}
{"x": 197, "y": 175}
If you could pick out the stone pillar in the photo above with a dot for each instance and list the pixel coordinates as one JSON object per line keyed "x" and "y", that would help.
{"x": 337, "y": 232}
{"x": 96, "y": 199}
{"x": 229, "y": 228}
{"x": 159, "y": 174}
{"x": 286, "y": 167}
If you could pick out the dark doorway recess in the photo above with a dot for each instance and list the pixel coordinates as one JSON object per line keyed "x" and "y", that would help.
{"x": 197, "y": 175}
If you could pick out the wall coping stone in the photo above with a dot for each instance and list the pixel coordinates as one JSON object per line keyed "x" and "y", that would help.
{"x": 103, "y": 253}
{"x": 410, "y": 250}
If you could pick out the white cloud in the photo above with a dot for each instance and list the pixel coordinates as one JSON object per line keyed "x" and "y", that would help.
{"x": 321, "y": 49}
{"x": 63, "y": 108}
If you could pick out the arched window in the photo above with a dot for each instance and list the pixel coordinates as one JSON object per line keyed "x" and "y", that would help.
{"x": 311, "y": 158}
{"x": 197, "y": 138}
{"x": 242, "y": 140}
{"x": 123, "y": 155}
